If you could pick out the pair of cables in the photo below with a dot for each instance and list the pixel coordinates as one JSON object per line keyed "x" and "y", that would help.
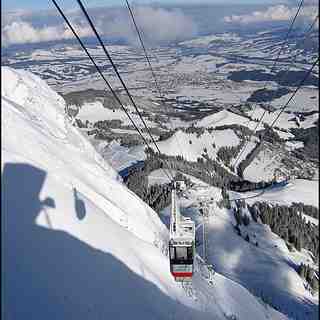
{"x": 285, "y": 41}
{"x": 168, "y": 174}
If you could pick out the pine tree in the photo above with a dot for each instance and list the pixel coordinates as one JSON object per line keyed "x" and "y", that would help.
{"x": 298, "y": 243}
{"x": 309, "y": 274}
{"x": 315, "y": 284}
{"x": 302, "y": 270}
{"x": 246, "y": 220}
{"x": 237, "y": 216}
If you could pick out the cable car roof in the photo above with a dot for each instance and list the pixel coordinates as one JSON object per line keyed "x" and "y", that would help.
{"x": 182, "y": 229}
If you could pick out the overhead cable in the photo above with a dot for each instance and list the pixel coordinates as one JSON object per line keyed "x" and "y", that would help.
{"x": 161, "y": 95}
{"x": 83, "y": 9}
{"x": 100, "y": 73}
{"x": 295, "y": 92}
{"x": 272, "y": 69}
{"x": 97, "y": 68}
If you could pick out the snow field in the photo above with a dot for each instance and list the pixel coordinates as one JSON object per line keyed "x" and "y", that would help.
{"x": 221, "y": 118}
{"x": 298, "y": 190}
{"x": 179, "y": 143}
{"x": 95, "y": 111}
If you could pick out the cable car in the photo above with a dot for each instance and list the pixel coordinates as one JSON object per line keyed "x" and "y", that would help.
{"x": 181, "y": 244}
{"x": 181, "y": 259}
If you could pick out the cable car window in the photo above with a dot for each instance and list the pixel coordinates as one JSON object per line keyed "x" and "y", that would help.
{"x": 171, "y": 249}
{"x": 181, "y": 253}
{"x": 190, "y": 253}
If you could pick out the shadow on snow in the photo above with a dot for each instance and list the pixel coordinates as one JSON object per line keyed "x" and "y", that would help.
{"x": 49, "y": 274}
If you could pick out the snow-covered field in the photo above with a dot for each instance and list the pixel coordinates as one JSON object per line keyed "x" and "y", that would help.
{"x": 226, "y": 117}
{"x": 95, "y": 111}
{"x": 263, "y": 166}
{"x": 306, "y": 99}
{"x": 298, "y": 190}
{"x": 178, "y": 144}
{"x": 222, "y": 118}
{"x": 196, "y": 68}
{"x": 192, "y": 147}
{"x": 283, "y": 120}
{"x": 206, "y": 40}
{"x": 118, "y": 156}
{"x": 271, "y": 158}
{"x": 228, "y": 94}
{"x": 78, "y": 243}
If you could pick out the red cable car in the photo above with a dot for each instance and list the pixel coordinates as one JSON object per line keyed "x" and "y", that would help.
{"x": 181, "y": 244}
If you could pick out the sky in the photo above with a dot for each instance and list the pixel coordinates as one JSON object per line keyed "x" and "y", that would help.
{"x": 46, "y": 4}
{"x": 28, "y": 21}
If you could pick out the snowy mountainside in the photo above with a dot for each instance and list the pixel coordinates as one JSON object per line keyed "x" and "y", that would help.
{"x": 191, "y": 146}
{"x": 246, "y": 263}
{"x": 274, "y": 156}
{"x": 55, "y": 133}
{"x": 306, "y": 191}
{"x": 223, "y": 117}
{"x": 77, "y": 243}
{"x": 95, "y": 111}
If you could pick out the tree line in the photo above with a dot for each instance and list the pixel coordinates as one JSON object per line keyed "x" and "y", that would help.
{"x": 288, "y": 223}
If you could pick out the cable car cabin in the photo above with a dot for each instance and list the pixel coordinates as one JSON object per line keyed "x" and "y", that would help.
{"x": 181, "y": 259}
{"x": 181, "y": 244}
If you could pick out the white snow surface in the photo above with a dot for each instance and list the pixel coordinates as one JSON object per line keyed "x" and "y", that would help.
{"x": 222, "y": 118}
{"x": 95, "y": 111}
{"x": 119, "y": 157}
{"x": 179, "y": 143}
{"x": 283, "y": 120}
{"x": 159, "y": 176}
{"x": 306, "y": 99}
{"x": 226, "y": 117}
{"x": 298, "y": 190}
{"x": 205, "y": 40}
{"x": 313, "y": 220}
{"x": 77, "y": 243}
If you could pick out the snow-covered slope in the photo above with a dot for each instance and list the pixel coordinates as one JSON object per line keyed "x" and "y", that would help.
{"x": 118, "y": 156}
{"x": 298, "y": 190}
{"x": 226, "y": 117}
{"x": 77, "y": 244}
{"x": 191, "y": 146}
{"x": 95, "y": 111}
{"x": 222, "y": 118}
{"x": 285, "y": 120}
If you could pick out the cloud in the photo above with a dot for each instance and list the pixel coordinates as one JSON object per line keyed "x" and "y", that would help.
{"x": 157, "y": 24}
{"x": 164, "y": 25}
{"x": 274, "y": 13}
{"x": 19, "y": 32}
